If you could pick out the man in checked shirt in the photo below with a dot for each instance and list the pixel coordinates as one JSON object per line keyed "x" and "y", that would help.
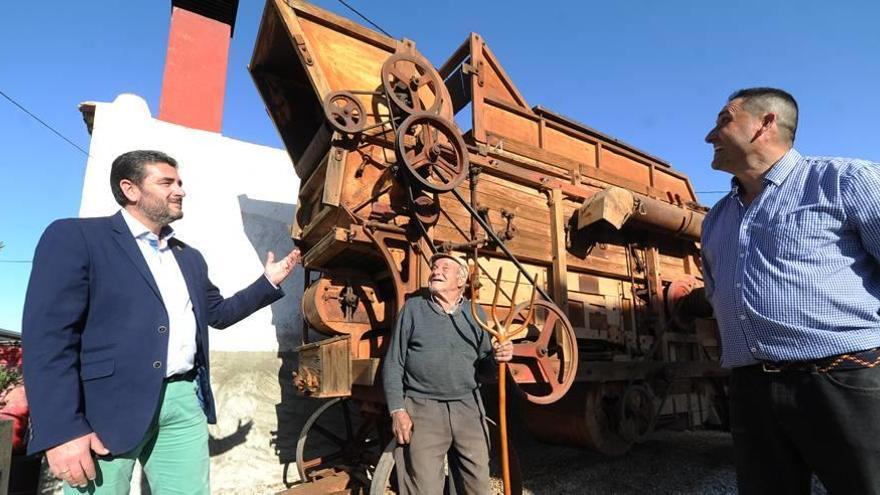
{"x": 792, "y": 268}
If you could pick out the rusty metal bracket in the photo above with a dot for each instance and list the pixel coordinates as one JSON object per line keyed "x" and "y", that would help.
{"x": 510, "y": 229}
{"x": 477, "y": 70}
{"x": 301, "y": 45}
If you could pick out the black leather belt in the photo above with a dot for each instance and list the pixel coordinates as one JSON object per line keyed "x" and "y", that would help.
{"x": 188, "y": 376}
{"x": 850, "y": 361}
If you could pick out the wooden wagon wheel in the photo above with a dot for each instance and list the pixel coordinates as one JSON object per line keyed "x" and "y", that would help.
{"x": 432, "y": 151}
{"x": 404, "y": 76}
{"x": 549, "y": 349}
{"x": 337, "y": 441}
{"x": 345, "y": 112}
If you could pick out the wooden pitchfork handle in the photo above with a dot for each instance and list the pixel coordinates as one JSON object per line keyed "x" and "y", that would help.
{"x": 502, "y": 332}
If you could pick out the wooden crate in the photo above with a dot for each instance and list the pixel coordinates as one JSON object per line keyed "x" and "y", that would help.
{"x": 325, "y": 368}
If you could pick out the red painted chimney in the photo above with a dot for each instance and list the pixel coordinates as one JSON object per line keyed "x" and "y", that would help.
{"x": 195, "y": 66}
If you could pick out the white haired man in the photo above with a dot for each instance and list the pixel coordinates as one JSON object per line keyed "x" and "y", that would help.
{"x": 430, "y": 384}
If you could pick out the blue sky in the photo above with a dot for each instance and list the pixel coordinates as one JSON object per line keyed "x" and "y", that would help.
{"x": 651, "y": 73}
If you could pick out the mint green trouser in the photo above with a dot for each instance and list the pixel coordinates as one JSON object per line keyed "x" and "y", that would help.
{"x": 173, "y": 453}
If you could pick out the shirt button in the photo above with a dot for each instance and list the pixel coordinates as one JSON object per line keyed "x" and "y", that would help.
{"x": 742, "y": 255}
{"x": 753, "y": 349}
{"x": 163, "y": 329}
{"x": 742, "y": 317}
{"x": 157, "y": 364}
{"x": 738, "y": 285}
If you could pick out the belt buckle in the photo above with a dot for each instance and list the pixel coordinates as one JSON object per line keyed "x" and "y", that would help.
{"x": 770, "y": 368}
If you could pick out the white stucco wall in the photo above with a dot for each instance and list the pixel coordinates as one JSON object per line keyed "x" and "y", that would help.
{"x": 240, "y": 200}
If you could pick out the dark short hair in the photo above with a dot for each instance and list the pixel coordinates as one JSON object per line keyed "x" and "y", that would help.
{"x": 131, "y": 166}
{"x": 758, "y": 101}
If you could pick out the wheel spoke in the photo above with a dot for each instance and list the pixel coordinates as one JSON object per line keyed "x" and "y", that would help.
{"x": 524, "y": 349}
{"x": 550, "y": 374}
{"x": 398, "y": 74}
{"x": 442, "y": 173}
{"x": 418, "y": 161}
{"x": 427, "y": 138}
{"x": 448, "y": 167}
{"x": 547, "y": 329}
{"x": 351, "y": 107}
{"x": 447, "y": 147}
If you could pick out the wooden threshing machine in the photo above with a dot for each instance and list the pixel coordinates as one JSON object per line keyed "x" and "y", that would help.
{"x": 620, "y": 341}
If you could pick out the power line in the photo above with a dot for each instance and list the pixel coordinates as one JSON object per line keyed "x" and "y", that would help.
{"x": 16, "y": 261}
{"x": 712, "y": 192}
{"x": 47, "y": 126}
{"x": 365, "y": 18}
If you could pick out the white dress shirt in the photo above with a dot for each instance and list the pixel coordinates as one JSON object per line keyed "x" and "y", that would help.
{"x": 175, "y": 295}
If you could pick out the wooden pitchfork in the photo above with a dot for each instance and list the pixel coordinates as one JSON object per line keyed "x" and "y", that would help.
{"x": 502, "y": 332}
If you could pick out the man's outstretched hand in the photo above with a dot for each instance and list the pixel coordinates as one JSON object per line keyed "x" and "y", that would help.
{"x": 72, "y": 461}
{"x": 277, "y": 271}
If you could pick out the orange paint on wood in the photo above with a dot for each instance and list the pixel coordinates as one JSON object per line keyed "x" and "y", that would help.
{"x": 194, "y": 83}
{"x": 625, "y": 167}
{"x": 668, "y": 182}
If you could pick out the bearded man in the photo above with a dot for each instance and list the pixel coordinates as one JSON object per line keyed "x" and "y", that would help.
{"x": 115, "y": 338}
{"x": 429, "y": 376}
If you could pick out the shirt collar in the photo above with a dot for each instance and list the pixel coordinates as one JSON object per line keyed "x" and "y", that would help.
{"x": 440, "y": 306}
{"x": 777, "y": 173}
{"x": 780, "y": 170}
{"x": 139, "y": 230}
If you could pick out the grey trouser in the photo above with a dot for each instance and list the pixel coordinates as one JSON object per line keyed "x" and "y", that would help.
{"x": 456, "y": 427}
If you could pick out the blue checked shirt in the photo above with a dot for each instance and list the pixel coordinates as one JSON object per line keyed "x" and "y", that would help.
{"x": 795, "y": 275}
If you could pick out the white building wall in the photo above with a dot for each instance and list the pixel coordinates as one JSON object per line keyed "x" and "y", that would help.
{"x": 240, "y": 200}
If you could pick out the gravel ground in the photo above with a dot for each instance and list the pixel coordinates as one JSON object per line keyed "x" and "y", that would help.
{"x": 670, "y": 462}
{"x": 698, "y": 462}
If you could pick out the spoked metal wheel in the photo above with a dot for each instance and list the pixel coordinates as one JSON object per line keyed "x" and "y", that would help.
{"x": 433, "y": 151}
{"x": 412, "y": 83}
{"x": 345, "y": 112}
{"x": 638, "y": 412}
{"x": 342, "y": 440}
{"x": 545, "y": 358}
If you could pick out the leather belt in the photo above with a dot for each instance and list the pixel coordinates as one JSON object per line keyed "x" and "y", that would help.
{"x": 850, "y": 361}
{"x": 188, "y": 376}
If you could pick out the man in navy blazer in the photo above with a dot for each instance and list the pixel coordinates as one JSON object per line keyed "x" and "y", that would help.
{"x": 115, "y": 337}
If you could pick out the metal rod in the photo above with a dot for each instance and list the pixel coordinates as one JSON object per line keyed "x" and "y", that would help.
{"x": 500, "y": 244}
{"x": 378, "y": 124}
{"x": 364, "y": 92}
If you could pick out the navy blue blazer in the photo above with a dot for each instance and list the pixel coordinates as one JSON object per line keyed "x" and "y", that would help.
{"x": 95, "y": 332}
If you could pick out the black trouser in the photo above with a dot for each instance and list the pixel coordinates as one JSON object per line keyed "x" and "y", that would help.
{"x": 790, "y": 424}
